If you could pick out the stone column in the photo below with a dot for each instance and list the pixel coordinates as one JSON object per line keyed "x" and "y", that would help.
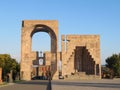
{"x": 100, "y": 71}
{"x": 10, "y": 76}
{"x": 95, "y": 69}
{"x": 63, "y": 47}
{"x": 92, "y": 66}
{"x": 87, "y": 62}
{"x": 0, "y": 75}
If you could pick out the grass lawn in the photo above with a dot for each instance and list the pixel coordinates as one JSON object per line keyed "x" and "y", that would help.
{"x": 3, "y": 84}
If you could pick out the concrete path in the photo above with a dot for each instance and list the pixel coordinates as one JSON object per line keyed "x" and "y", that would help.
{"x": 29, "y": 85}
{"x": 86, "y": 85}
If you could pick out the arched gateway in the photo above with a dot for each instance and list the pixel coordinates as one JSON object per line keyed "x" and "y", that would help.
{"x": 80, "y": 54}
{"x": 29, "y": 28}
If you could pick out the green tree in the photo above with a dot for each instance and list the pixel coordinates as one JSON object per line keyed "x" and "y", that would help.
{"x": 7, "y": 63}
{"x": 113, "y": 63}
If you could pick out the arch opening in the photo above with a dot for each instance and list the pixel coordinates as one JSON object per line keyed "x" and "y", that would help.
{"x": 42, "y": 64}
{"x": 41, "y": 42}
{"x": 28, "y": 54}
{"x": 44, "y": 28}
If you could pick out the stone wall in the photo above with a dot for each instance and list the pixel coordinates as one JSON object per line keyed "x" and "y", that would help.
{"x": 91, "y": 53}
{"x": 0, "y": 75}
{"x": 29, "y": 28}
{"x": 47, "y": 56}
{"x": 80, "y": 53}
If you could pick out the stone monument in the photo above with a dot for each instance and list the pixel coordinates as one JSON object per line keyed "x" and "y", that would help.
{"x": 10, "y": 76}
{"x": 80, "y": 54}
{"x": 29, "y": 28}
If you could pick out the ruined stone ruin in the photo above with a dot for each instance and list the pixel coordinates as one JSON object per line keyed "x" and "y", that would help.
{"x": 80, "y": 54}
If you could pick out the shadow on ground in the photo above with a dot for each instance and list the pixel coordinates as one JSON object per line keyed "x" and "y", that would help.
{"x": 38, "y": 82}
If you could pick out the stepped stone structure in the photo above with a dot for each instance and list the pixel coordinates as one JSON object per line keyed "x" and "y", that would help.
{"x": 0, "y": 75}
{"x": 80, "y": 54}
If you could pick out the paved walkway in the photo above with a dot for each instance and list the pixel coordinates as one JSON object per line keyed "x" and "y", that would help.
{"x": 86, "y": 84}
{"x": 29, "y": 85}
{"x": 103, "y": 84}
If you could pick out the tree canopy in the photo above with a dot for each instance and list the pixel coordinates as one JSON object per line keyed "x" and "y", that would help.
{"x": 113, "y": 63}
{"x": 7, "y": 63}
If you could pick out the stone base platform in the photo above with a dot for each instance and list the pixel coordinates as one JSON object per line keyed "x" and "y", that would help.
{"x": 81, "y": 76}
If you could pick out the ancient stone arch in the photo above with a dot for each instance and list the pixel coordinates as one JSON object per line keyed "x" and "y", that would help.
{"x": 80, "y": 54}
{"x": 44, "y": 28}
{"x": 29, "y": 28}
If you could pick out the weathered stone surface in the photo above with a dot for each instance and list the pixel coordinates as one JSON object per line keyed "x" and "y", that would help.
{"x": 79, "y": 53}
{"x": 0, "y": 75}
{"x": 10, "y": 76}
{"x": 29, "y": 28}
{"x": 82, "y": 54}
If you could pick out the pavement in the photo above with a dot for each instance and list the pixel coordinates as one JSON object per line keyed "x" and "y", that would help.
{"x": 28, "y": 85}
{"x": 103, "y": 84}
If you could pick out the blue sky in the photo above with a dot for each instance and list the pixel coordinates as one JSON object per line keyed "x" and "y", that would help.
{"x": 74, "y": 16}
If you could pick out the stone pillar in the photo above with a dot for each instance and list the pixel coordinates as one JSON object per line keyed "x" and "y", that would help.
{"x": 92, "y": 67}
{"x": 87, "y": 66}
{"x": 88, "y": 63}
{"x": 95, "y": 69}
{"x": 0, "y": 75}
{"x": 100, "y": 71}
{"x": 10, "y": 76}
{"x": 64, "y": 63}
